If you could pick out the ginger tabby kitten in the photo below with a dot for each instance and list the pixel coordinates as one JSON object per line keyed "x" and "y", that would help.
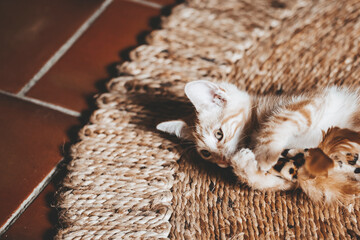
{"x": 250, "y": 133}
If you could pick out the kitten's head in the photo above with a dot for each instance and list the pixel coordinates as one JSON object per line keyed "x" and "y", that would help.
{"x": 222, "y": 111}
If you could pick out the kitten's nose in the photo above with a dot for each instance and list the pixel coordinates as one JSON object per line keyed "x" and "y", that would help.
{"x": 223, "y": 160}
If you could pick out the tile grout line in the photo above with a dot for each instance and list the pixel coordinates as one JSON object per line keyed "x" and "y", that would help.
{"x": 147, "y": 3}
{"x": 21, "y": 95}
{"x": 64, "y": 48}
{"x": 36, "y": 191}
{"x": 43, "y": 104}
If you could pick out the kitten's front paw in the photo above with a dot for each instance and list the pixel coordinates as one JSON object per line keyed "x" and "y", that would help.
{"x": 266, "y": 157}
{"x": 243, "y": 158}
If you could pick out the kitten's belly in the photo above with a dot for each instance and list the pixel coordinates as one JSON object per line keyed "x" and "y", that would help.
{"x": 310, "y": 140}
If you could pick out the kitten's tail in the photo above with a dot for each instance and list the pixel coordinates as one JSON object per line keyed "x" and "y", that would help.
{"x": 328, "y": 175}
{"x": 336, "y": 187}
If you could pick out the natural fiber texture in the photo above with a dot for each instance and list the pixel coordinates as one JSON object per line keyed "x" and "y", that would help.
{"x": 126, "y": 180}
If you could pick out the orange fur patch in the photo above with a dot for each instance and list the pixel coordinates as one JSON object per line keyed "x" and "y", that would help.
{"x": 356, "y": 119}
{"x": 339, "y": 139}
{"x": 299, "y": 105}
{"x": 307, "y": 116}
{"x": 240, "y": 112}
{"x": 230, "y": 137}
{"x": 317, "y": 163}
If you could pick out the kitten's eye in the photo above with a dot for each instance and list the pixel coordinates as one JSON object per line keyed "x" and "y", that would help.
{"x": 205, "y": 154}
{"x": 219, "y": 134}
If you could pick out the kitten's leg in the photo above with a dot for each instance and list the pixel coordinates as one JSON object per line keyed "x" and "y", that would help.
{"x": 289, "y": 122}
{"x": 245, "y": 167}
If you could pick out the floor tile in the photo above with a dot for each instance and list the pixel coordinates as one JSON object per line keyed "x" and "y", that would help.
{"x": 38, "y": 221}
{"x": 32, "y": 31}
{"x": 91, "y": 61}
{"x": 31, "y": 144}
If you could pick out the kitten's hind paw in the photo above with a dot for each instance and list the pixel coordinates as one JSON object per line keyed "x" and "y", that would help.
{"x": 352, "y": 158}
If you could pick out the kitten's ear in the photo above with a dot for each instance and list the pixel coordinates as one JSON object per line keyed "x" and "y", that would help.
{"x": 205, "y": 95}
{"x": 176, "y": 127}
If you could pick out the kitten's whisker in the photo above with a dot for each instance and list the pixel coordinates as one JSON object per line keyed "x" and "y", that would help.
{"x": 185, "y": 141}
{"x": 241, "y": 139}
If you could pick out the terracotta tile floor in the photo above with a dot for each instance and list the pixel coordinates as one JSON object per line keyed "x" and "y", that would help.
{"x": 55, "y": 55}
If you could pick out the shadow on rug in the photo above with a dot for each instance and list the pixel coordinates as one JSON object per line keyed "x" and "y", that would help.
{"x": 126, "y": 180}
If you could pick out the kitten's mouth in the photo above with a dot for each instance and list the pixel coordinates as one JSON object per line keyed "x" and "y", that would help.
{"x": 223, "y": 163}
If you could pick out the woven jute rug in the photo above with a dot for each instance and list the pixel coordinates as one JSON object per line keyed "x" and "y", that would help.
{"x": 126, "y": 180}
